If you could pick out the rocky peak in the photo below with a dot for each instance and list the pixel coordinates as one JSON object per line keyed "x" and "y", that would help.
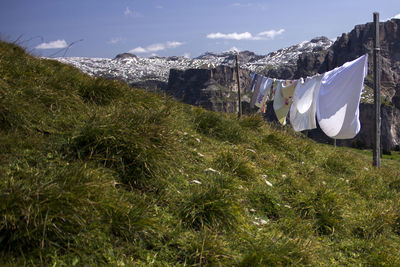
{"x": 208, "y": 55}
{"x": 125, "y": 56}
{"x": 283, "y": 62}
{"x": 176, "y": 58}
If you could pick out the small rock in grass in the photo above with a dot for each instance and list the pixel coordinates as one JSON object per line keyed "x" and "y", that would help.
{"x": 268, "y": 183}
{"x": 259, "y": 221}
{"x": 211, "y": 170}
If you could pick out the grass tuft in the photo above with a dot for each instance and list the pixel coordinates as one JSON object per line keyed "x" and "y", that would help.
{"x": 234, "y": 164}
{"x": 215, "y": 125}
{"x": 212, "y": 205}
{"x": 276, "y": 251}
{"x": 100, "y": 91}
{"x": 253, "y": 122}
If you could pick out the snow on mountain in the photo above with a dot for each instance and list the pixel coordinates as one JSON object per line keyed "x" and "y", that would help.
{"x": 131, "y": 68}
{"x": 289, "y": 55}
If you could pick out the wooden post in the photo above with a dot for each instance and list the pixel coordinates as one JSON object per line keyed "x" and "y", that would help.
{"x": 377, "y": 95}
{"x": 238, "y": 85}
{"x": 334, "y": 142}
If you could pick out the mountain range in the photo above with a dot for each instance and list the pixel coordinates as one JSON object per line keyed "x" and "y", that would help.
{"x": 132, "y": 69}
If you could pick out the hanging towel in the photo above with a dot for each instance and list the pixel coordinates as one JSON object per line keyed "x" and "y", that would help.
{"x": 283, "y": 99}
{"x": 269, "y": 95}
{"x": 264, "y": 91}
{"x": 255, "y": 88}
{"x": 304, "y": 106}
{"x": 339, "y": 99}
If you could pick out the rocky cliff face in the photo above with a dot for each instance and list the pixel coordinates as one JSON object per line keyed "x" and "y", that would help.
{"x": 288, "y": 66}
{"x": 213, "y": 89}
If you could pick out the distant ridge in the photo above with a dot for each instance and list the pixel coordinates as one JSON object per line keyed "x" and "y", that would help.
{"x": 133, "y": 69}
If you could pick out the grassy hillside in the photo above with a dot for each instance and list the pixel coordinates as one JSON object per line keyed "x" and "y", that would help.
{"x": 96, "y": 173}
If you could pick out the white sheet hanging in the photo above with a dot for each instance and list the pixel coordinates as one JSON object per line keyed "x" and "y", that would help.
{"x": 304, "y": 106}
{"x": 339, "y": 99}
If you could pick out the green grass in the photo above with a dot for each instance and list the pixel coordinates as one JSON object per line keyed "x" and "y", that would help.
{"x": 94, "y": 173}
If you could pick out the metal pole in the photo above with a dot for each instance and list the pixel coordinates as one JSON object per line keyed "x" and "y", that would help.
{"x": 238, "y": 85}
{"x": 377, "y": 95}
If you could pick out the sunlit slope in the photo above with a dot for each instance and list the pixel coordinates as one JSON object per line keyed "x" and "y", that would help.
{"x": 94, "y": 173}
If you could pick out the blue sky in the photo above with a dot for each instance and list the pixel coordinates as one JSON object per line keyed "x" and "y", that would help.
{"x": 105, "y": 28}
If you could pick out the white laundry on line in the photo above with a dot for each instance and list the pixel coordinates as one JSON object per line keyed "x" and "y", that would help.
{"x": 339, "y": 99}
{"x": 304, "y": 106}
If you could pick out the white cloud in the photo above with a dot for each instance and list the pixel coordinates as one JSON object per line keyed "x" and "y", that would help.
{"x": 266, "y": 35}
{"x": 232, "y": 36}
{"x": 115, "y": 40}
{"x": 174, "y": 44}
{"x": 186, "y": 55}
{"x": 127, "y": 12}
{"x": 159, "y": 7}
{"x": 53, "y": 45}
{"x": 261, "y": 6}
{"x": 138, "y": 50}
{"x": 397, "y": 16}
{"x": 269, "y": 34}
{"x": 242, "y": 5}
{"x": 156, "y": 47}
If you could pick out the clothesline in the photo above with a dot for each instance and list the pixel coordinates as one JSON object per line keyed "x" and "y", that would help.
{"x": 331, "y": 98}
